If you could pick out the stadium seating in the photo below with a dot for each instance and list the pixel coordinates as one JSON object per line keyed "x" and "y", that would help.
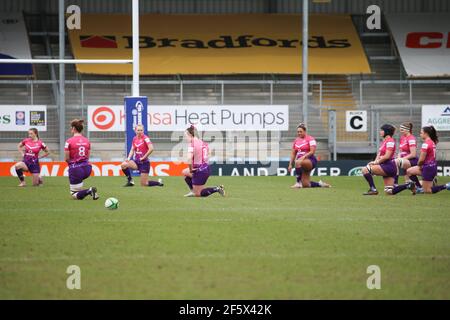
{"x": 338, "y": 92}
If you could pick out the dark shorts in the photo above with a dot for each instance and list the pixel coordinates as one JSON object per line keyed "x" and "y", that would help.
{"x": 429, "y": 171}
{"x": 389, "y": 167}
{"x": 143, "y": 166}
{"x": 201, "y": 175}
{"x": 413, "y": 162}
{"x": 79, "y": 172}
{"x": 313, "y": 160}
{"x": 32, "y": 165}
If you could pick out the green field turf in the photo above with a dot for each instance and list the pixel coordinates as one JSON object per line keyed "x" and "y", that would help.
{"x": 262, "y": 241}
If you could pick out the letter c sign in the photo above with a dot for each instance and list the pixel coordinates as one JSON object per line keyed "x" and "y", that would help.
{"x": 356, "y": 121}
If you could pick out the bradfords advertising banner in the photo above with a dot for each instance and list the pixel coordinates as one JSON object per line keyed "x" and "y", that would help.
{"x": 437, "y": 116}
{"x": 423, "y": 41}
{"x": 14, "y": 44}
{"x": 220, "y": 44}
{"x": 206, "y": 117}
{"x": 23, "y": 117}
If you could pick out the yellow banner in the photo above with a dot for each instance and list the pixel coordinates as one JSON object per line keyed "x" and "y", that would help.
{"x": 220, "y": 44}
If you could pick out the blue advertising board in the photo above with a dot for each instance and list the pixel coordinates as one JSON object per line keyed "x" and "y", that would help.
{"x": 135, "y": 113}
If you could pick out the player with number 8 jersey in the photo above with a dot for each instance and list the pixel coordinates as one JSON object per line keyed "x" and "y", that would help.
{"x": 76, "y": 154}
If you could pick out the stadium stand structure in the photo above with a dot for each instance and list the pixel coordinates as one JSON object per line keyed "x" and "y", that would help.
{"x": 339, "y": 92}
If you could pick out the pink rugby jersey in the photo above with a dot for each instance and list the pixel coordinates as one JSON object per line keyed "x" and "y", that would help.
{"x": 387, "y": 145}
{"x": 79, "y": 149}
{"x": 32, "y": 148}
{"x": 303, "y": 145}
{"x": 199, "y": 150}
{"x": 406, "y": 143}
{"x": 140, "y": 145}
{"x": 429, "y": 147}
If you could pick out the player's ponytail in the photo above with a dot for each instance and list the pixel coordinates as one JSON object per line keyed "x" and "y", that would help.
{"x": 77, "y": 124}
{"x": 432, "y": 133}
{"x": 35, "y": 131}
{"x": 192, "y": 130}
{"x": 407, "y": 126}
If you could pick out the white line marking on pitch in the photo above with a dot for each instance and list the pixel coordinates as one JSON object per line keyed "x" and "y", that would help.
{"x": 287, "y": 219}
{"x": 221, "y": 256}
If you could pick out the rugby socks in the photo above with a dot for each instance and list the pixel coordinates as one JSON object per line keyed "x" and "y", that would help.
{"x": 314, "y": 184}
{"x": 369, "y": 179}
{"x": 400, "y": 188}
{"x": 415, "y": 180}
{"x": 127, "y": 172}
{"x": 83, "y": 194}
{"x": 208, "y": 191}
{"x": 396, "y": 179}
{"x": 298, "y": 173}
{"x": 153, "y": 183}
{"x": 20, "y": 174}
{"x": 436, "y": 189}
{"x": 189, "y": 182}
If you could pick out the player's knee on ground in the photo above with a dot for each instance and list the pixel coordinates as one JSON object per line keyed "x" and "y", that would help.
{"x": 388, "y": 190}
{"x": 35, "y": 181}
{"x": 74, "y": 188}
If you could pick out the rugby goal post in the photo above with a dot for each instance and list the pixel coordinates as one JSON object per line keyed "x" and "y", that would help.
{"x": 134, "y": 61}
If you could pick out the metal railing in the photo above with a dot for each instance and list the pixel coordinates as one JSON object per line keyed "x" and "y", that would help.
{"x": 405, "y": 87}
{"x": 180, "y": 83}
{"x": 377, "y": 115}
{"x": 81, "y": 93}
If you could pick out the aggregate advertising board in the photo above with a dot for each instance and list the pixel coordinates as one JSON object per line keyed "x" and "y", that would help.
{"x": 23, "y": 117}
{"x": 437, "y": 116}
{"x": 206, "y": 117}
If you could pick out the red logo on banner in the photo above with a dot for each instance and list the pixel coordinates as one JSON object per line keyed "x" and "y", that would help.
{"x": 103, "y": 118}
{"x": 426, "y": 40}
{"x": 98, "y": 41}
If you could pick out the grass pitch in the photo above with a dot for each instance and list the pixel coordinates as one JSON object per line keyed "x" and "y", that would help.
{"x": 262, "y": 241}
